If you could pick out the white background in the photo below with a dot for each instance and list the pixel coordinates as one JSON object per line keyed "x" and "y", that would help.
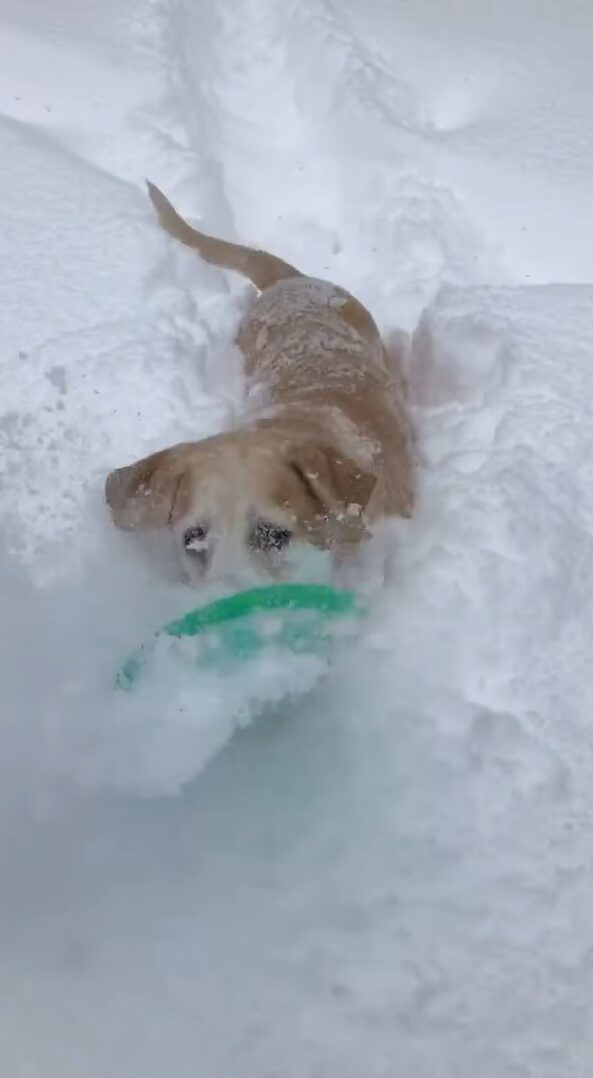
{"x": 392, "y": 876}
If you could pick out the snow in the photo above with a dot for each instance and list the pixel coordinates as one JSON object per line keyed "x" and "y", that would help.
{"x": 387, "y": 871}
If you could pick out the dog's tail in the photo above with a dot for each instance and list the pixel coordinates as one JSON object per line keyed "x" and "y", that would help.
{"x": 261, "y": 268}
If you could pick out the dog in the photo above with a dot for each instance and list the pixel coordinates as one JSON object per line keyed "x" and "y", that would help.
{"x": 327, "y": 455}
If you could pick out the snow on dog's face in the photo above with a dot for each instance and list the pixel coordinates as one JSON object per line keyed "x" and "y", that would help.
{"x": 244, "y": 495}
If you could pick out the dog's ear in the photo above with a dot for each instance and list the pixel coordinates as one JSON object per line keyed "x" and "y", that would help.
{"x": 337, "y": 489}
{"x": 151, "y": 493}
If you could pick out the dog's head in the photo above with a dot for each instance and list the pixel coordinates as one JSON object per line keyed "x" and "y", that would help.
{"x": 244, "y": 493}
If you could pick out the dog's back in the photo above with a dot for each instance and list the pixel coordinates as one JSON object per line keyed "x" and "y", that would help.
{"x": 264, "y": 270}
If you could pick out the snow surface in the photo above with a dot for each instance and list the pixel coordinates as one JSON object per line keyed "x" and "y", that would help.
{"x": 391, "y": 875}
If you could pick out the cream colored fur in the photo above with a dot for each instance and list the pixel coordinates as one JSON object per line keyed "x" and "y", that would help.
{"x": 326, "y": 457}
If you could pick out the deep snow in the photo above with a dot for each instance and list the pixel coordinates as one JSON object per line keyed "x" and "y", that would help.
{"x": 391, "y": 876}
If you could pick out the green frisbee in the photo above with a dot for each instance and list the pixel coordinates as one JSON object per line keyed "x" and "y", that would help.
{"x": 300, "y": 618}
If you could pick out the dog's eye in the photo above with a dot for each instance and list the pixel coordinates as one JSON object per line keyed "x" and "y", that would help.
{"x": 269, "y": 536}
{"x": 194, "y": 538}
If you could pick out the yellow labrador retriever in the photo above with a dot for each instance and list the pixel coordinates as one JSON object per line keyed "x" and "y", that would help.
{"x": 326, "y": 457}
